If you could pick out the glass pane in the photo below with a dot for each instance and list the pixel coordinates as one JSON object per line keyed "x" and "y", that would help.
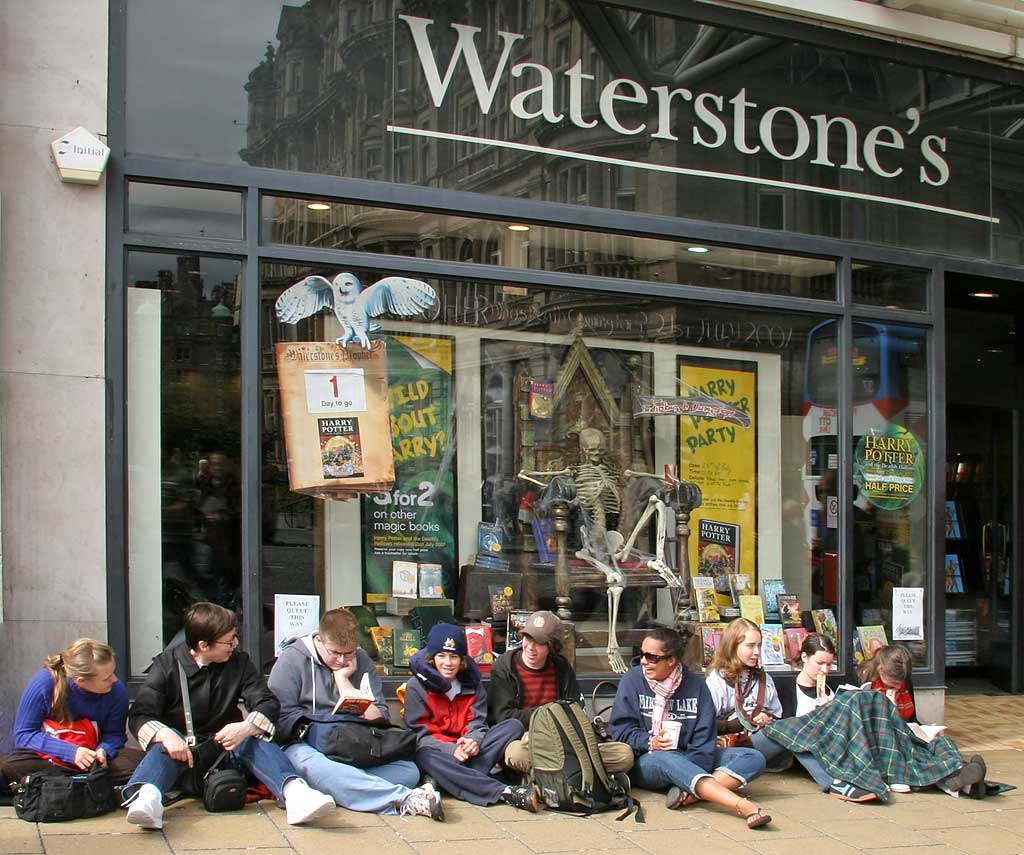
{"x": 336, "y": 225}
{"x": 498, "y": 389}
{"x": 184, "y": 441}
{"x": 891, "y": 522}
{"x": 892, "y": 287}
{"x": 660, "y": 114}
{"x": 185, "y": 211}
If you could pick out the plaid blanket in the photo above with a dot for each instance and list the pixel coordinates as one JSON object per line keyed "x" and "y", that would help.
{"x": 860, "y": 738}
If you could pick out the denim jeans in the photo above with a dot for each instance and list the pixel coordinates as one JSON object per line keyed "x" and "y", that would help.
{"x": 265, "y": 760}
{"x": 655, "y": 770}
{"x": 777, "y": 758}
{"x": 377, "y": 790}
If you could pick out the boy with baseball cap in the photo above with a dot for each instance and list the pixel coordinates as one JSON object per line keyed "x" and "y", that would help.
{"x": 537, "y": 674}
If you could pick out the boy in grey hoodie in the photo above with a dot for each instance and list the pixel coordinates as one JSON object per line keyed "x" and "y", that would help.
{"x": 310, "y": 676}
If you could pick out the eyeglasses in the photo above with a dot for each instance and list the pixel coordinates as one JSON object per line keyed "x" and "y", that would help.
{"x": 336, "y": 654}
{"x": 232, "y": 643}
{"x": 654, "y": 658}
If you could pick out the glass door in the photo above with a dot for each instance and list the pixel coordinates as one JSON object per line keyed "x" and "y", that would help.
{"x": 982, "y": 495}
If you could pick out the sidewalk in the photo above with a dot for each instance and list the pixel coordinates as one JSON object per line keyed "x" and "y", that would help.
{"x": 805, "y": 821}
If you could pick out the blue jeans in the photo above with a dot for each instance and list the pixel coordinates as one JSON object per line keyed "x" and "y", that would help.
{"x": 776, "y": 756}
{"x": 655, "y": 770}
{"x": 264, "y": 760}
{"x": 376, "y": 790}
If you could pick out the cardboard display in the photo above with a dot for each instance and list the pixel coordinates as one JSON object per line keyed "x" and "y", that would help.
{"x": 334, "y": 402}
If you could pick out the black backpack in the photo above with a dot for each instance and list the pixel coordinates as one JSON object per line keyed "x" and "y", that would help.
{"x": 567, "y": 768}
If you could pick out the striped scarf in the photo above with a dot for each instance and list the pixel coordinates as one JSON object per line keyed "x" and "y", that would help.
{"x": 663, "y": 690}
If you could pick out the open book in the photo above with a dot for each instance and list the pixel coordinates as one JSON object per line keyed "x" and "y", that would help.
{"x": 849, "y": 687}
{"x": 925, "y": 732}
{"x": 353, "y": 701}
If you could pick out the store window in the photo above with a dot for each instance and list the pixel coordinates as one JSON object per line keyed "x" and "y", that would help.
{"x": 184, "y": 441}
{"x": 199, "y": 212}
{"x": 504, "y": 400}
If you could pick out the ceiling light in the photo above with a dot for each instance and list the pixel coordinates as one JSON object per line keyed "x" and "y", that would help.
{"x": 983, "y": 295}
{"x": 697, "y": 249}
{"x": 318, "y": 206}
{"x": 518, "y": 227}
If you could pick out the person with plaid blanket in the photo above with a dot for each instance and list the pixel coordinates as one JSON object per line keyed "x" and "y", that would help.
{"x": 861, "y": 739}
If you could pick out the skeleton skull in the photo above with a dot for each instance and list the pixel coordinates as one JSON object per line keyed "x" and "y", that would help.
{"x": 592, "y": 444}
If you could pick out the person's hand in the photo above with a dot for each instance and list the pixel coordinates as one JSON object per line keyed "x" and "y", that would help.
{"x": 661, "y": 742}
{"x": 231, "y": 736}
{"x": 822, "y": 700}
{"x": 372, "y": 713}
{"x": 466, "y": 748}
{"x": 84, "y": 757}
{"x": 175, "y": 746}
{"x": 763, "y": 718}
{"x": 101, "y": 756}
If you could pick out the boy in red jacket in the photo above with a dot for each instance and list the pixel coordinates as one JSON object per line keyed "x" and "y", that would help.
{"x": 446, "y": 705}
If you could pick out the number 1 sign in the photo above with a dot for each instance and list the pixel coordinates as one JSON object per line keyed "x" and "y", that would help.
{"x": 339, "y": 391}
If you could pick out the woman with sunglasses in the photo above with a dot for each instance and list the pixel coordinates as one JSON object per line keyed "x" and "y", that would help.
{"x": 666, "y": 715}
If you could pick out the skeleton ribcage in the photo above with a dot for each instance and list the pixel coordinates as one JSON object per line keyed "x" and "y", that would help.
{"x": 597, "y": 486}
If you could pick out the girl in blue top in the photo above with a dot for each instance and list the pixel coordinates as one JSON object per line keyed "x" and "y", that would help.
{"x": 666, "y": 715}
{"x": 71, "y": 686}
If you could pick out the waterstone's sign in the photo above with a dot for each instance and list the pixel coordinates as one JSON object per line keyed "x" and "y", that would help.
{"x": 714, "y": 120}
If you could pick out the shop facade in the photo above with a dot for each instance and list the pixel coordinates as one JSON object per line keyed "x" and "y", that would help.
{"x": 670, "y": 243}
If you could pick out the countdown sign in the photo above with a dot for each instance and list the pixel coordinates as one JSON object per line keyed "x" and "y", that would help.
{"x": 337, "y": 419}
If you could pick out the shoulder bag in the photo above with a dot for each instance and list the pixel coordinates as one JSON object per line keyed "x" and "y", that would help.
{"x": 359, "y": 742}
{"x": 221, "y": 789}
{"x": 53, "y": 795}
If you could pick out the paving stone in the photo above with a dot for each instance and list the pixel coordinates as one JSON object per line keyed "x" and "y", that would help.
{"x": 676, "y": 842}
{"x": 870, "y": 834}
{"x": 109, "y": 823}
{"x": 468, "y": 847}
{"x": 148, "y": 843}
{"x": 462, "y": 822}
{"x": 339, "y": 818}
{"x": 18, "y": 837}
{"x": 563, "y": 833}
{"x": 988, "y": 841}
{"x": 785, "y": 846}
{"x": 245, "y": 829}
{"x": 309, "y": 840}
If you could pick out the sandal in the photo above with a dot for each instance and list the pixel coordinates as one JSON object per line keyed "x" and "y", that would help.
{"x": 756, "y": 819}
{"x": 677, "y": 798}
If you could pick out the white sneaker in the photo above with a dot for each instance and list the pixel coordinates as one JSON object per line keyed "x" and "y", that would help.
{"x": 146, "y": 809}
{"x": 303, "y": 803}
{"x": 423, "y": 801}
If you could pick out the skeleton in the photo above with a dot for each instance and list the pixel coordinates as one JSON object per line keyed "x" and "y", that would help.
{"x": 601, "y": 556}
{"x": 596, "y": 478}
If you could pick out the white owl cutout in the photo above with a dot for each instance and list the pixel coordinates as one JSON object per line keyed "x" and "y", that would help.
{"x": 352, "y": 306}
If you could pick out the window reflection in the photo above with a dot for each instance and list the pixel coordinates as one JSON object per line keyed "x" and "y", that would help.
{"x": 183, "y": 441}
{"x": 335, "y": 225}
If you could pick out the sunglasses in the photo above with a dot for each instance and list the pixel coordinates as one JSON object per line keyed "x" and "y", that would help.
{"x": 654, "y": 658}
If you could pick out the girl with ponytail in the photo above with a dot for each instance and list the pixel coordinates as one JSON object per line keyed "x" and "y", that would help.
{"x": 72, "y": 713}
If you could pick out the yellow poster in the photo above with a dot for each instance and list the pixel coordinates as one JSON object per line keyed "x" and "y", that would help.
{"x": 719, "y": 455}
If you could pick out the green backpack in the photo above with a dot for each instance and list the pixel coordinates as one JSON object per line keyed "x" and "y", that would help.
{"x": 567, "y": 768}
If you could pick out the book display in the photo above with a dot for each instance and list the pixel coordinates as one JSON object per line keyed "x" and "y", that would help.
{"x": 961, "y": 637}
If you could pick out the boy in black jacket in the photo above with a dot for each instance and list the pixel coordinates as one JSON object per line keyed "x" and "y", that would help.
{"x": 219, "y": 677}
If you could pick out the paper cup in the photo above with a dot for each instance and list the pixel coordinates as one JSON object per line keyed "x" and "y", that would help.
{"x": 671, "y": 730}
